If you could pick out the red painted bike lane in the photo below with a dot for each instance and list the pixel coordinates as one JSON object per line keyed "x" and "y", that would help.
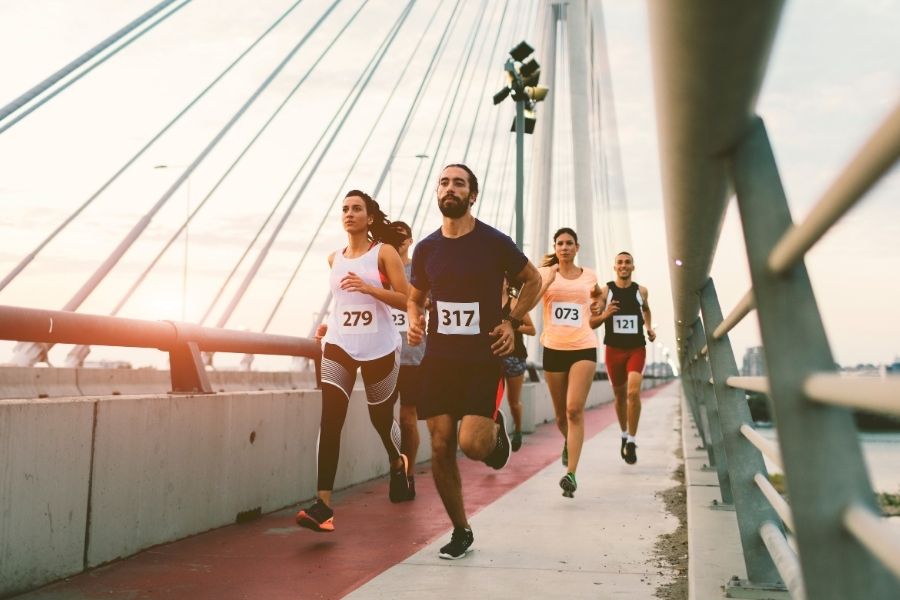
{"x": 272, "y": 559}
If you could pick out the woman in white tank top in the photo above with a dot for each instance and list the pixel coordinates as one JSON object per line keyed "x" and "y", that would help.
{"x": 367, "y": 279}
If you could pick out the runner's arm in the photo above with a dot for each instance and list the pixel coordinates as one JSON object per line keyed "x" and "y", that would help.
{"x": 415, "y": 312}
{"x": 645, "y": 309}
{"x": 529, "y": 293}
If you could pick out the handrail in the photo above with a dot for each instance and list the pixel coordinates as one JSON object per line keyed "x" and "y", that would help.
{"x": 769, "y": 449}
{"x": 785, "y": 559}
{"x": 866, "y": 393}
{"x": 775, "y": 499}
{"x": 741, "y": 310}
{"x": 869, "y": 529}
{"x": 750, "y": 384}
{"x": 183, "y": 341}
{"x": 872, "y": 161}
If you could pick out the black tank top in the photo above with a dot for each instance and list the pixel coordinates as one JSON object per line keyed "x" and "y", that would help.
{"x": 519, "y": 349}
{"x": 625, "y": 329}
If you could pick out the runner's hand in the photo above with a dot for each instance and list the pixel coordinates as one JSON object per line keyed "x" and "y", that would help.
{"x": 651, "y": 335}
{"x": 354, "y": 283}
{"x": 505, "y": 339}
{"x": 416, "y": 332}
{"x": 611, "y": 309}
{"x": 321, "y": 330}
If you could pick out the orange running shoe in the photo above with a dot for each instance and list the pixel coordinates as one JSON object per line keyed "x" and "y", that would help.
{"x": 317, "y": 517}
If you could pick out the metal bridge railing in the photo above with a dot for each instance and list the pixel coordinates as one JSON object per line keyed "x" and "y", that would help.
{"x": 829, "y": 541}
{"x": 183, "y": 341}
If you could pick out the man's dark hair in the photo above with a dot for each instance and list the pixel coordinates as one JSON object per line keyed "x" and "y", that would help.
{"x": 625, "y": 252}
{"x": 473, "y": 181}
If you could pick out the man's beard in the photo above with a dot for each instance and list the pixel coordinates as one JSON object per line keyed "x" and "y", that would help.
{"x": 454, "y": 210}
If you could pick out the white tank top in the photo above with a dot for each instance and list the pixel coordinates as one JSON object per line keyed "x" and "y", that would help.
{"x": 360, "y": 324}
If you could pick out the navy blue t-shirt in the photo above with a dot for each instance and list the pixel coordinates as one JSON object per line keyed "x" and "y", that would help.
{"x": 465, "y": 278}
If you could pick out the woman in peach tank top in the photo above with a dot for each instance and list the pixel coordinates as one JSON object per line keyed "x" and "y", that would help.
{"x": 570, "y": 344}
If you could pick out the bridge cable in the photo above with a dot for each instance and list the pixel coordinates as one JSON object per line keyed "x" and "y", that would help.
{"x": 487, "y": 72}
{"x": 265, "y": 250}
{"x": 464, "y": 60}
{"x": 446, "y": 97}
{"x": 237, "y": 160}
{"x": 414, "y": 107}
{"x": 500, "y": 118}
{"x": 296, "y": 175}
{"x": 401, "y": 135}
{"x": 340, "y": 188}
{"x": 25, "y": 261}
{"x": 41, "y": 87}
{"x": 27, "y": 351}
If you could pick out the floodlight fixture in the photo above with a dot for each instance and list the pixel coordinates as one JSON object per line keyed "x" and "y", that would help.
{"x": 501, "y": 95}
{"x": 521, "y": 51}
{"x": 530, "y": 120}
{"x": 530, "y": 71}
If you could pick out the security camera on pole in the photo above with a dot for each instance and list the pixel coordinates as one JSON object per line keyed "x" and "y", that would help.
{"x": 522, "y": 83}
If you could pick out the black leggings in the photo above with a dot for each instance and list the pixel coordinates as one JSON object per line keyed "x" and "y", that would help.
{"x": 338, "y": 376}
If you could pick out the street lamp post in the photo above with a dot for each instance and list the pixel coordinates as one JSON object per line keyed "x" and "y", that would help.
{"x": 522, "y": 75}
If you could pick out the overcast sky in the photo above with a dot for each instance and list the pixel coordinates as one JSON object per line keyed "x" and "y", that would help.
{"x": 834, "y": 75}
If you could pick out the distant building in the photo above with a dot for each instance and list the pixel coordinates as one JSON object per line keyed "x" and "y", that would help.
{"x": 754, "y": 362}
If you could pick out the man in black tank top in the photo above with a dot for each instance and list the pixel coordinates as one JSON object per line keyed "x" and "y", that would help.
{"x": 626, "y": 347}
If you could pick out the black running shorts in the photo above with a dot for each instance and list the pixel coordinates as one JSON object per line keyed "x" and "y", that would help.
{"x": 458, "y": 388}
{"x": 560, "y": 361}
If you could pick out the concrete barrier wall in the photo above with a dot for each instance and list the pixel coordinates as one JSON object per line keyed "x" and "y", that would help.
{"x": 84, "y": 481}
{"x": 27, "y": 382}
{"x": 45, "y": 457}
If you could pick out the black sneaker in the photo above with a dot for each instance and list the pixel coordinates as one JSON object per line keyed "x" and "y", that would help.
{"x": 399, "y": 490}
{"x": 622, "y": 449}
{"x": 515, "y": 442}
{"x": 498, "y": 458}
{"x": 317, "y": 517}
{"x": 412, "y": 487}
{"x": 459, "y": 544}
{"x": 630, "y": 453}
{"x": 568, "y": 485}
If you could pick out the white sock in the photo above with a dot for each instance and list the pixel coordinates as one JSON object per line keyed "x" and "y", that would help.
{"x": 632, "y": 439}
{"x": 624, "y": 434}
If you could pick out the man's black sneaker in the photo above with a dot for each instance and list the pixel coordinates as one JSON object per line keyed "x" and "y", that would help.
{"x": 568, "y": 485}
{"x": 317, "y": 517}
{"x": 399, "y": 490}
{"x": 498, "y": 458}
{"x": 515, "y": 441}
{"x": 412, "y": 487}
{"x": 630, "y": 453}
{"x": 459, "y": 544}
{"x": 622, "y": 449}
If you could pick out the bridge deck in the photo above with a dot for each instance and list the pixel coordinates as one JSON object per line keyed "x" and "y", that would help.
{"x": 529, "y": 540}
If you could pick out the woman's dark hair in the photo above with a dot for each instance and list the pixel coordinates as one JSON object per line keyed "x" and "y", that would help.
{"x": 552, "y": 259}
{"x": 381, "y": 229}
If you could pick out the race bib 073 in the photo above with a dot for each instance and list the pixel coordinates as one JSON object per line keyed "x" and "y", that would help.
{"x": 401, "y": 321}
{"x": 566, "y": 314}
{"x": 358, "y": 318}
{"x": 625, "y": 324}
{"x": 458, "y": 318}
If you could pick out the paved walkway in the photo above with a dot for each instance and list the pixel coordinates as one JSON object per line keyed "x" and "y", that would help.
{"x": 529, "y": 540}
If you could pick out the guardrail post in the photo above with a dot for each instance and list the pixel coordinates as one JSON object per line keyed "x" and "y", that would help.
{"x": 688, "y": 379}
{"x": 744, "y": 460}
{"x": 823, "y": 461}
{"x": 718, "y": 458}
{"x": 187, "y": 370}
